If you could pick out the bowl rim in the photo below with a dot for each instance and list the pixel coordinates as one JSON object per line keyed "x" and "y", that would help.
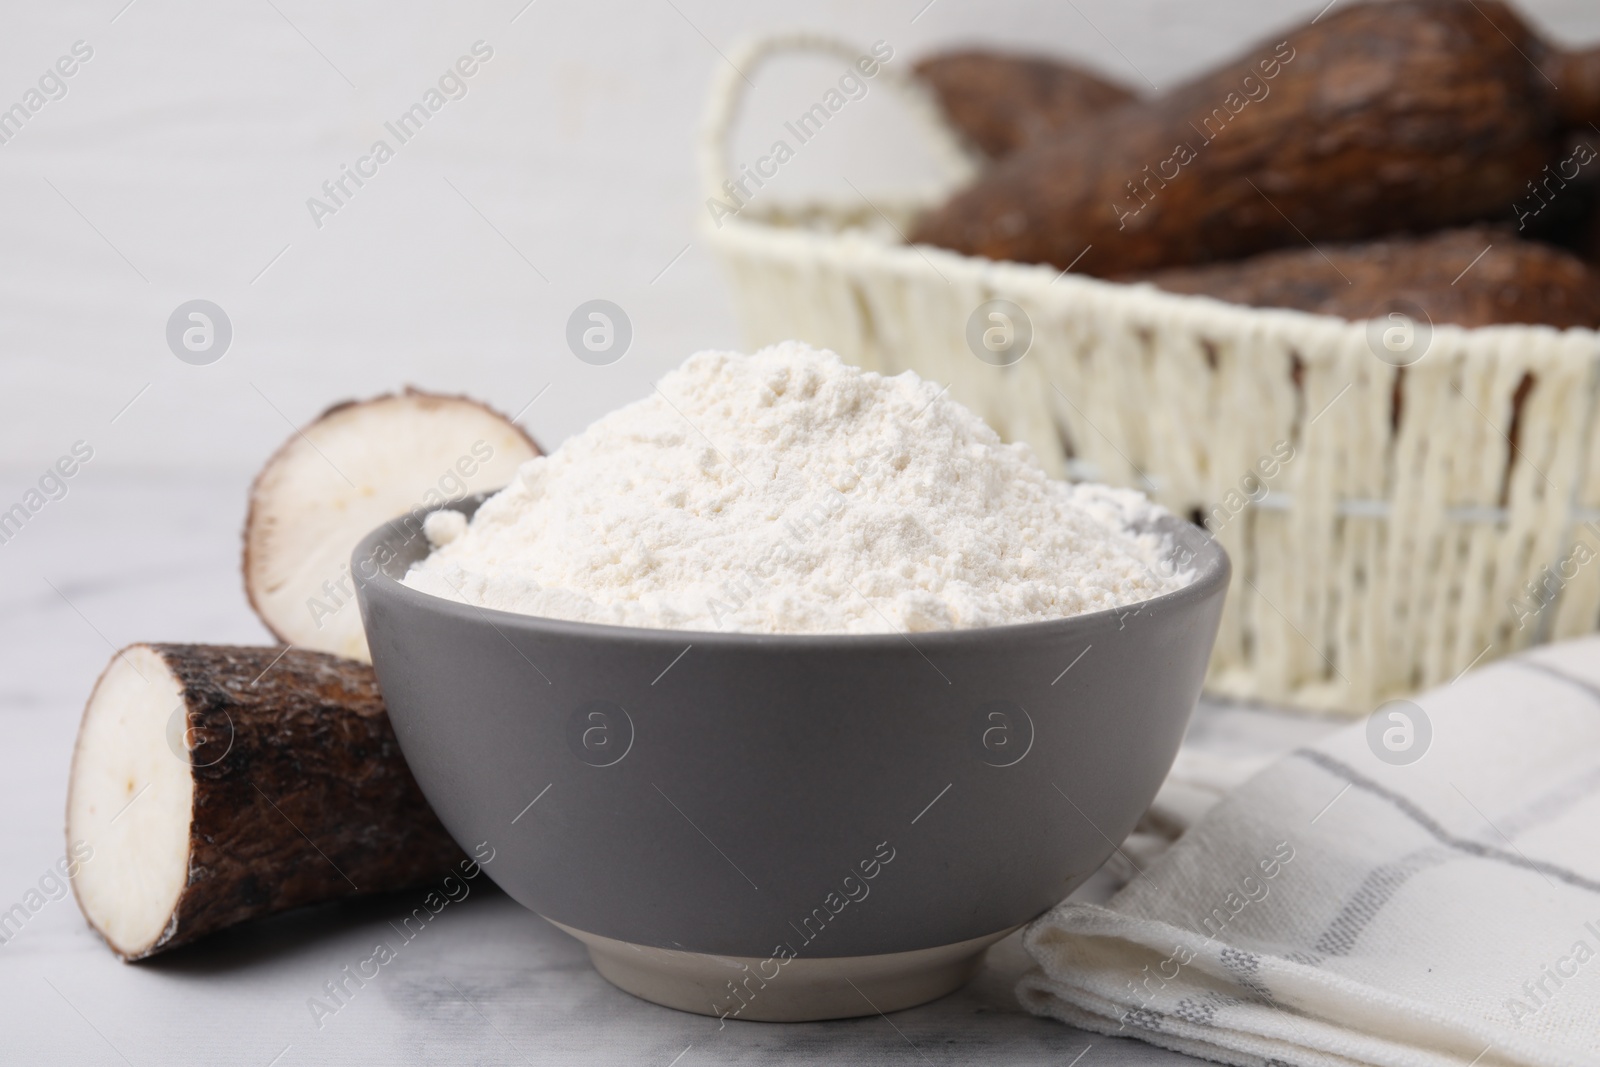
{"x": 1213, "y": 570}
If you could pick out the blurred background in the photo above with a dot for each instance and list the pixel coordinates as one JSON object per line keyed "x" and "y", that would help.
{"x": 179, "y": 162}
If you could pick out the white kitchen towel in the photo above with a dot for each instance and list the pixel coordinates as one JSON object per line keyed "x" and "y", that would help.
{"x": 1418, "y": 890}
{"x": 1227, "y": 745}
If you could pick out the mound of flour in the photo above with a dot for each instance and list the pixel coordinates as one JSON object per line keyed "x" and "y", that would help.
{"x": 787, "y": 492}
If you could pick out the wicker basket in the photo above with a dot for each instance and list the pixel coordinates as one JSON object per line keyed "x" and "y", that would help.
{"x": 1428, "y": 517}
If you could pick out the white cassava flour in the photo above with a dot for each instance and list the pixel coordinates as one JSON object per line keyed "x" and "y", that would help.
{"x": 787, "y": 492}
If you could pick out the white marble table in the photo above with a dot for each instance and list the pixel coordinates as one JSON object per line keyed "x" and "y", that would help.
{"x": 155, "y": 557}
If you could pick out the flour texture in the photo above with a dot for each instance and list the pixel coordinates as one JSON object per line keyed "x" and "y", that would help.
{"x": 788, "y": 492}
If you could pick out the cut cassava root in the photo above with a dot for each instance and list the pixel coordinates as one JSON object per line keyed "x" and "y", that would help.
{"x": 1405, "y": 115}
{"x": 217, "y": 784}
{"x": 358, "y": 465}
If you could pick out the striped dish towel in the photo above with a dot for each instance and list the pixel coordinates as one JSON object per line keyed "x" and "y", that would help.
{"x": 1421, "y": 889}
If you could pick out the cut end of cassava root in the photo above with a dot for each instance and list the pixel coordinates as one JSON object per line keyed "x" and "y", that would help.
{"x": 214, "y": 784}
{"x": 358, "y": 465}
{"x": 129, "y": 806}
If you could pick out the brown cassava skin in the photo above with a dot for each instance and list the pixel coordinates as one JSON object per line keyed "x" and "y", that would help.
{"x": 1002, "y": 102}
{"x": 1410, "y": 115}
{"x": 313, "y": 800}
{"x": 1515, "y": 281}
{"x": 1563, "y": 205}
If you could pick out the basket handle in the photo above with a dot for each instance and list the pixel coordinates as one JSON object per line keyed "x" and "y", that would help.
{"x": 731, "y": 80}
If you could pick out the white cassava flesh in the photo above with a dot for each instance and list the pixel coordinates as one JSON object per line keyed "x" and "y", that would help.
{"x": 358, "y": 465}
{"x": 130, "y": 802}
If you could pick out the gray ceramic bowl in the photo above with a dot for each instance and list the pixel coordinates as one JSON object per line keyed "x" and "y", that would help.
{"x": 787, "y": 827}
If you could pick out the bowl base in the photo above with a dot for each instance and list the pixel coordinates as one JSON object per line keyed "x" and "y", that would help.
{"x": 800, "y": 989}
